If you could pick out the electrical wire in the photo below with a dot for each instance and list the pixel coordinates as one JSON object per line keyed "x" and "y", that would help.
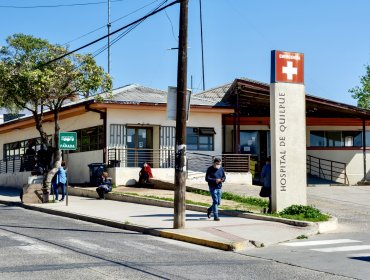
{"x": 104, "y": 26}
{"x": 57, "y": 6}
{"x": 114, "y": 32}
{"x": 172, "y": 29}
{"x": 120, "y": 36}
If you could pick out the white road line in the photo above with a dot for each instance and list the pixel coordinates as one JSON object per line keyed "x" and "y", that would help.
{"x": 88, "y": 245}
{"x": 359, "y": 255}
{"x": 343, "y": 249}
{"x": 319, "y": 242}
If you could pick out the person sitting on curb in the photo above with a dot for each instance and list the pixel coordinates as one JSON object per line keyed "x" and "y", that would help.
{"x": 104, "y": 185}
{"x": 145, "y": 174}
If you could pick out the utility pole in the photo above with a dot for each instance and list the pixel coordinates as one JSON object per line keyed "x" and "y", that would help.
{"x": 108, "y": 26}
{"x": 180, "y": 159}
{"x": 201, "y": 41}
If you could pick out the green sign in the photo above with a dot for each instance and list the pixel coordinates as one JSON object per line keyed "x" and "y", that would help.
{"x": 68, "y": 140}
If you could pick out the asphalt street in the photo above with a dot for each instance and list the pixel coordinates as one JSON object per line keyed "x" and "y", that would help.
{"x": 346, "y": 251}
{"x": 34, "y": 245}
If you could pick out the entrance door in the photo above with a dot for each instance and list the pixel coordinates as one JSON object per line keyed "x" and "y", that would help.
{"x": 139, "y": 146}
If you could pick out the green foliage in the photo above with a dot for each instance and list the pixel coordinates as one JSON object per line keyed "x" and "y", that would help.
{"x": 302, "y": 212}
{"x": 237, "y": 198}
{"x": 29, "y": 81}
{"x": 362, "y": 93}
{"x": 302, "y": 237}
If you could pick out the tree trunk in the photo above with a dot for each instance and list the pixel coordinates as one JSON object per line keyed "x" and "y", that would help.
{"x": 57, "y": 158}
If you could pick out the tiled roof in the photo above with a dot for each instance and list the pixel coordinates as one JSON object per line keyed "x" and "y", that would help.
{"x": 219, "y": 92}
{"x": 140, "y": 94}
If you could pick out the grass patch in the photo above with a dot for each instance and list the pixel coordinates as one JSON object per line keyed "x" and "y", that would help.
{"x": 303, "y": 213}
{"x": 248, "y": 200}
{"x": 302, "y": 237}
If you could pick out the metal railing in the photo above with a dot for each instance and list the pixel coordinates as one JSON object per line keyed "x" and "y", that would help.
{"x": 327, "y": 169}
{"x": 165, "y": 158}
{"x": 17, "y": 164}
{"x": 135, "y": 157}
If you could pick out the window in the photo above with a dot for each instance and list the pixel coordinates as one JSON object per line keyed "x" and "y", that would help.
{"x": 18, "y": 149}
{"x": 337, "y": 138}
{"x": 117, "y": 136}
{"x": 249, "y": 142}
{"x": 200, "y": 138}
{"x": 90, "y": 139}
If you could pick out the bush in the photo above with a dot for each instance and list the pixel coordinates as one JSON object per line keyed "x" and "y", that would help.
{"x": 306, "y": 212}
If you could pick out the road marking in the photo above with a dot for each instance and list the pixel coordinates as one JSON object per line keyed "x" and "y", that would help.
{"x": 143, "y": 247}
{"x": 33, "y": 246}
{"x": 88, "y": 245}
{"x": 343, "y": 249}
{"x": 319, "y": 242}
{"x": 359, "y": 255}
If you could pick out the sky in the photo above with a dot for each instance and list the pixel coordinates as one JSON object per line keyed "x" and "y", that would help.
{"x": 238, "y": 38}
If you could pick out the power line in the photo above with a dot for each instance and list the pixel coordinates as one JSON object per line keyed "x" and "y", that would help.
{"x": 114, "y": 32}
{"x": 124, "y": 33}
{"x": 97, "y": 29}
{"x": 57, "y": 6}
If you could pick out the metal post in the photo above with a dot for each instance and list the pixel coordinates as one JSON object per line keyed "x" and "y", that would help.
{"x": 201, "y": 41}
{"x": 180, "y": 158}
{"x": 108, "y": 26}
{"x": 364, "y": 146}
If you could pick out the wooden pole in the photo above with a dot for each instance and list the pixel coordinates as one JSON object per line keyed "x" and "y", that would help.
{"x": 180, "y": 159}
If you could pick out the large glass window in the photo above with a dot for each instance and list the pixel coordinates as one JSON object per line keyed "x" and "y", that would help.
{"x": 337, "y": 138}
{"x": 200, "y": 138}
{"x": 317, "y": 139}
{"x": 90, "y": 139}
{"x": 19, "y": 148}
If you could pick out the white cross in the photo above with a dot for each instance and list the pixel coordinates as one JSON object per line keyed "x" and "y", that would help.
{"x": 289, "y": 70}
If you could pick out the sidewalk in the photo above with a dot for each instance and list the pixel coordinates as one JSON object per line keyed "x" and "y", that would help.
{"x": 231, "y": 233}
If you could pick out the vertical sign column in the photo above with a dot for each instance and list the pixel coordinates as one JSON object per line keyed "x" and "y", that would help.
{"x": 288, "y": 130}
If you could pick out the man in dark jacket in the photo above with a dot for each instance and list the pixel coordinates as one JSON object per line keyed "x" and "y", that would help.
{"x": 215, "y": 176}
{"x": 104, "y": 185}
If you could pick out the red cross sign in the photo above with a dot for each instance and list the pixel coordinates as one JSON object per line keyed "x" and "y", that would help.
{"x": 287, "y": 67}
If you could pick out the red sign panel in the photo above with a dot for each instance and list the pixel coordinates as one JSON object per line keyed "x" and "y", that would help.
{"x": 287, "y": 67}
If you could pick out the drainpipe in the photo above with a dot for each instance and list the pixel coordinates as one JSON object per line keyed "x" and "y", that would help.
{"x": 103, "y": 115}
{"x": 364, "y": 146}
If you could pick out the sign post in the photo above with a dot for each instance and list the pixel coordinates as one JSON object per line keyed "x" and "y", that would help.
{"x": 67, "y": 141}
{"x": 288, "y": 130}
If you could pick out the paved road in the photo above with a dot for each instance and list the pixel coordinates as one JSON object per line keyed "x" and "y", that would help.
{"x": 39, "y": 246}
{"x": 346, "y": 251}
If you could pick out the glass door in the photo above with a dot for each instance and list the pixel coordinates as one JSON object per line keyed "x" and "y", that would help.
{"x": 140, "y": 144}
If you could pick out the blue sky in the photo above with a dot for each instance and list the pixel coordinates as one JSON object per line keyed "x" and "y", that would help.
{"x": 238, "y": 38}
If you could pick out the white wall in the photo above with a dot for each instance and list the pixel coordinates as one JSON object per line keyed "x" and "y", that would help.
{"x": 158, "y": 116}
{"x": 77, "y": 163}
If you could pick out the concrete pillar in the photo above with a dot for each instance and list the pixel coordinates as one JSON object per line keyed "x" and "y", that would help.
{"x": 288, "y": 130}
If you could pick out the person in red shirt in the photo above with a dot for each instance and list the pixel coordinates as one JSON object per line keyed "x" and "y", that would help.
{"x": 145, "y": 174}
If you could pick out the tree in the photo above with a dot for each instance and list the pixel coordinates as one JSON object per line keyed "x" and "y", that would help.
{"x": 362, "y": 93}
{"x": 27, "y": 81}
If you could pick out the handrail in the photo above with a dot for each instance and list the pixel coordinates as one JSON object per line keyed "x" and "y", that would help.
{"x": 327, "y": 169}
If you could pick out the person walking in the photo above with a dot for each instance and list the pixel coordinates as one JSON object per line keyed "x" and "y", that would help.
{"x": 266, "y": 177}
{"x": 60, "y": 181}
{"x": 215, "y": 176}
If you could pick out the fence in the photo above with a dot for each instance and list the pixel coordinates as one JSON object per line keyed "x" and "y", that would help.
{"x": 17, "y": 164}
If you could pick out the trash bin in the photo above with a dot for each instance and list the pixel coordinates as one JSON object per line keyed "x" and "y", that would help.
{"x": 96, "y": 170}
{"x": 114, "y": 163}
